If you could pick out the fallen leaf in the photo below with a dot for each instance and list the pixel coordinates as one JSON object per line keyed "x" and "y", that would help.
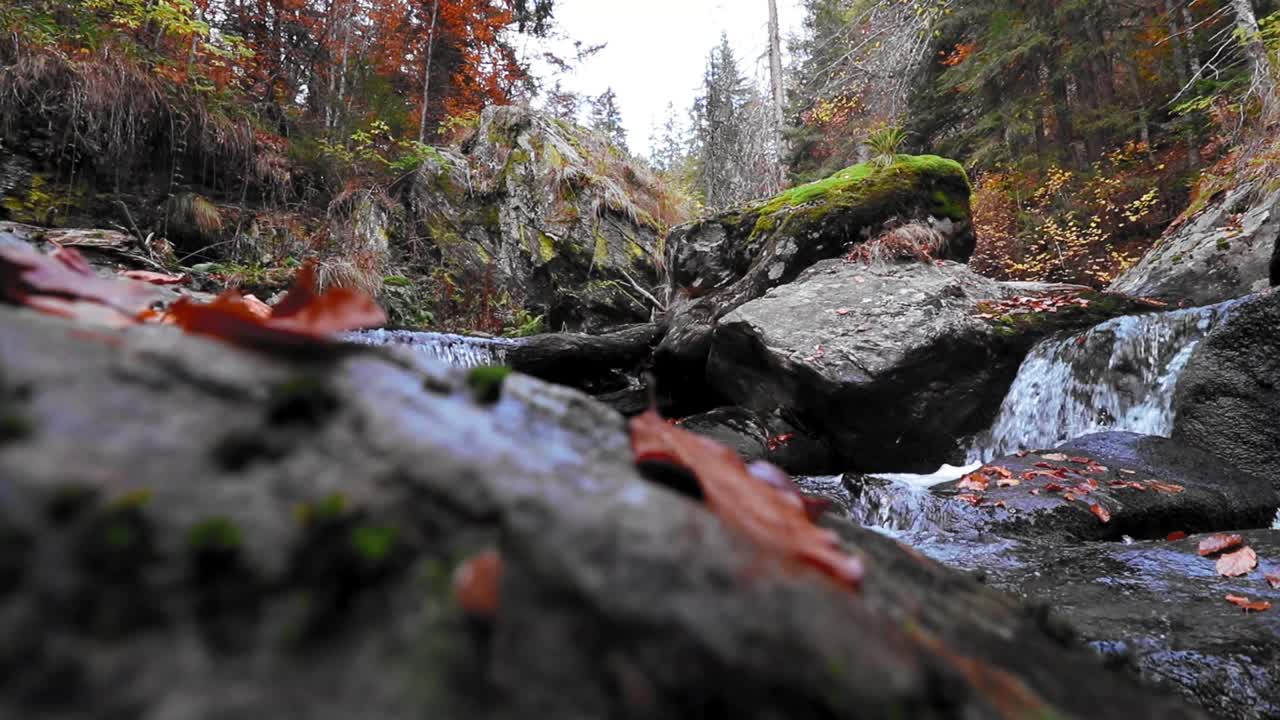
{"x": 302, "y": 318}
{"x": 476, "y": 584}
{"x": 1219, "y": 543}
{"x": 1166, "y": 488}
{"x": 1081, "y": 460}
{"x": 1069, "y": 497}
{"x": 776, "y": 442}
{"x": 1248, "y": 605}
{"x": 1002, "y": 472}
{"x": 1103, "y": 514}
{"x": 842, "y": 311}
{"x": 1240, "y": 562}
{"x": 1055, "y": 457}
{"x": 974, "y": 481}
{"x": 972, "y": 499}
{"x": 1035, "y": 491}
{"x": 1054, "y": 487}
{"x": 1176, "y": 535}
{"x": 774, "y": 520}
{"x": 155, "y": 278}
{"x": 1008, "y": 482}
{"x": 1129, "y": 472}
{"x": 64, "y": 273}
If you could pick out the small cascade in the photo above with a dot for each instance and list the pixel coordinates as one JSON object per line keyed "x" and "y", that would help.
{"x": 902, "y": 504}
{"x": 1117, "y": 376}
{"x": 456, "y": 350}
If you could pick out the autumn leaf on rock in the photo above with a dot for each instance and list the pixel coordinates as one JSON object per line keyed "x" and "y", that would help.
{"x": 1164, "y": 487}
{"x": 974, "y": 481}
{"x": 154, "y": 278}
{"x": 1176, "y": 535}
{"x": 476, "y": 583}
{"x": 1055, "y": 457}
{"x": 970, "y": 498}
{"x": 302, "y": 318}
{"x": 774, "y": 520}
{"x": 998, "y": 471}
{"x": 26, "y": 273}
{"x": 1219, "y": 543}
{"x": 1240, "y": 562}
{"x": 1248, "y": 605}
{"x": 1008, "y": 482}
{"x": 1102, "y": 513}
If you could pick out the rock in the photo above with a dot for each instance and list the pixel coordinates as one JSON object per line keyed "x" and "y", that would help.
{"x": 1228, "y": 398}
{"x": 548, "y": 213}
{"x": 1158, "y": 609}
{"x": 892, "y": 364}
{"x": 1220, "y": 254}
{"x": 191, "y": 529}
{"x": 1147, "y": 486}
{"x": 719, "y": 263}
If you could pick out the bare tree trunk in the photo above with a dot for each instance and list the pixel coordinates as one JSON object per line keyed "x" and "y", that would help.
{"x": 1259, "y": 63}
{"x": 426, "y": 72}
{"x": 775, "y": 72}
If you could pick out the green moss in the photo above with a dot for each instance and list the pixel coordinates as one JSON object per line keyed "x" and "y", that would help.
{"x": 374, "y": 543}
{"x": 600, "y": 256}
{"x": 132, "y": 500}
{"x": 216, "y": 534}
{"x": 1176, "y": 259}
{"x": 1224, "y": 244}
{"x": 330, "y": 508}
{"x": 486, "y": 383}
{"x": 865, "y": 193}
{"x": 546, "y": 247}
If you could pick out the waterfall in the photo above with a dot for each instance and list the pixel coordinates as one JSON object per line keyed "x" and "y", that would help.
{"x": 1117, "y": 376}
{"x": 456, "y": 350}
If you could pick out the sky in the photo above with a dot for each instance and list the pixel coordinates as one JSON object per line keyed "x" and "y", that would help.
{"x": 657, "y": 50}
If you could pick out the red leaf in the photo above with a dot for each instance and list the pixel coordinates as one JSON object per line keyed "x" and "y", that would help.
{"x": 1008, "y": 482}
{"x": 155, "y": 278}
{"x": 997, "y": 470}
{"x": 974, "y": 481}
{"x": 1176, "y": 535}
{"x": 1166, "y": 488}
{"x": 1103, "y": 514}
{"x": 26, "y": 273}
{"x": 780, "y": 441}
{"x": 972, "y": 499}
{"x": 1219, "y": 543}
{"x": 1240, "y": 562}
{"x": 772, "y": 519}
{"x": 301, "y": 318}
{"x": 1081, "y": 460}
{"x": 1053, "y": 487}
{"x": 1274, "y": 579}
{"x": 1247, "y": 605}
{"x": 476, "y": 584}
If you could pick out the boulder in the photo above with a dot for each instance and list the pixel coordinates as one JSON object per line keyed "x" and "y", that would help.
{"x": 1157, "y": 610}
{"x": 194, "y": 530}
{"x": 1145, "y": 487}
{"x": 1228, "y": 398}
{"x": 893, "y": 364}
{"x": 548, "y": 213}
{"x": 718, "y": 263}
{"x": 1222, "y": 253}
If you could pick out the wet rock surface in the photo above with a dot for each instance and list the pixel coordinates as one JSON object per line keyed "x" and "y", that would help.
{"x": 197, "y": 531}
{"x": 1228, "y": 399}
{"x": 1147, "y": 486}
{"x": 1224, "y": 252}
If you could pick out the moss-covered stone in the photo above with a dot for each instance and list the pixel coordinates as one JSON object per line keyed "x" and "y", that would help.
{"x": 486, "y": 383}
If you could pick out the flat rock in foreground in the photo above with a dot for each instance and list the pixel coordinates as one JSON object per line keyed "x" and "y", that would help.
{"x": 191, "y": 530}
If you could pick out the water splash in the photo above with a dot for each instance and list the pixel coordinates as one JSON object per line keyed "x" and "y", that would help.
{"x": 1117, "y": 376}
{"x": 898, "y": 508}
{"x": 456, "y": 350}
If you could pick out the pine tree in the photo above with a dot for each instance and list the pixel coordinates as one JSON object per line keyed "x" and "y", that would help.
{"x": 606, "y": 119}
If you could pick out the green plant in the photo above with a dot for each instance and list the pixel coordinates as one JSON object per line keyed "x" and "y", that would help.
{"x": 525, "y": 324}
{"x": 886, "y": 144}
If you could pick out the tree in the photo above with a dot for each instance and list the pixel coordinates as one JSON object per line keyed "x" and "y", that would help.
{"x": 606, "y": 119}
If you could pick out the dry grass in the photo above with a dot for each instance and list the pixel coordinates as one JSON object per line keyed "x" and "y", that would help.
{"x": 913, "y": 241}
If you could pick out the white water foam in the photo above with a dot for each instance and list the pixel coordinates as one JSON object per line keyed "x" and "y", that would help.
{"x": 1117, "y": 376}
{"x": 456, "y": 350}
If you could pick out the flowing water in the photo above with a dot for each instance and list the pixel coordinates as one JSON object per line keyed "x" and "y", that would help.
{"x": 1116, "y": 377}
{"x": 456, "y": 350}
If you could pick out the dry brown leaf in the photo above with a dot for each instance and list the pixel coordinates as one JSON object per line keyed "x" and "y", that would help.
{"x": 1055, "y": 457}
{"x": 1103, "y": 514}
{"x": 1164, "y": 487}
{"x": 26, "y": 273}
{"x": 1219, "y": 543}
{"x": 774, "y": 520}
{"x": 155, "y": 278}
{"x": 476, "y": 584}
{"x": 1248, "y": 605}
{"x": 976, "y": 482}
{"x": 1240, "y": 562}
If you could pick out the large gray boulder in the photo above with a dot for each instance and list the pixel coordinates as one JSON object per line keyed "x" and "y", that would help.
{"x": 919, "y": 203}
{"x": 1224, "y": 252}
{"x": 191, "y": 530}
{"x": 548, "y": 213}
{"x": 1228, "y": 398}
{"x": 894, "y": 364}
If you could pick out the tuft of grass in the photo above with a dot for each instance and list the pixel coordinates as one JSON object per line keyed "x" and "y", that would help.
{"x": 913, "y": 241}
{"x": 885, "y": 144}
